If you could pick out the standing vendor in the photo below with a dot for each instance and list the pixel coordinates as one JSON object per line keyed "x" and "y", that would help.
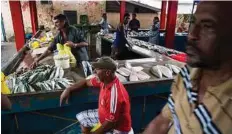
{"x": 119, "y": 49}
{"x": 70, "y": 36}
{"x": 104, "y": 24}
{"x": 154, "y": 31}
{"x": 134, "y": 24}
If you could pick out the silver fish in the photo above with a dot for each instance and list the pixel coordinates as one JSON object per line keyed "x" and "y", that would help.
{"x": 121, "y": 78}
{"x": 165, "y": 71}
{"x": 156, "y": 71}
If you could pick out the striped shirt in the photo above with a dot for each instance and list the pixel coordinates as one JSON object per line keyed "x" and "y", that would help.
{"x": 212, "y": 116}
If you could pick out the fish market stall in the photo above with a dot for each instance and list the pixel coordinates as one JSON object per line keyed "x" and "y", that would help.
{"x": 104, "y": 42}
{"x": 141, "y": 35}
{"x": 35, "y": 93}
{"x": 142, "y": 48}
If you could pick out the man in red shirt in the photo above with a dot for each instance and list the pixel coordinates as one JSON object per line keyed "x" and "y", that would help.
{"x": 113, "y": 111}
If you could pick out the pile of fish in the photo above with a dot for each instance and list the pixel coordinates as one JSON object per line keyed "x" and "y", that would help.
{"x": 43, "y": 78}
{"x": 139, "y": 34}
{"x": 124, "y": 74}
{"x": 166, "y": 71}
{"x": 150, "y": 46}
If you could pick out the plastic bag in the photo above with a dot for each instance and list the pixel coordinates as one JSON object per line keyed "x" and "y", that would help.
{"x": 5, "y": 89}
{"x": 67, "y": 50}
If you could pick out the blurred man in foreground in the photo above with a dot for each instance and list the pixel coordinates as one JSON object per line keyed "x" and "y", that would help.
{"x": 201, "y": 98}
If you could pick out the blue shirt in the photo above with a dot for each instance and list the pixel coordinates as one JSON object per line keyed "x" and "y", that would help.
{"x": 120, "y": 41}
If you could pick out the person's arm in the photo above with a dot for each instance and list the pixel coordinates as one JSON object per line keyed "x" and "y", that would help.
{"x": 130, "y": 24}
{"x": 80, "y": 39}
{"x": 5, "y": 102}
{"x": 138, "y": 24}
{"x": 100, "y": 23}
{"x": 105, "y": 127}
{"x": 76, "y": 87}
{"x": 45, "y": 54}
{"x": 159, "y": 125}
{"x": 155, "y": 27}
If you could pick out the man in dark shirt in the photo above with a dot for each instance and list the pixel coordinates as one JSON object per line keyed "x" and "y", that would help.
{"x": 134, "y": 23}
{"x": 67, "y": 35}
{"x": 119, "y": 49}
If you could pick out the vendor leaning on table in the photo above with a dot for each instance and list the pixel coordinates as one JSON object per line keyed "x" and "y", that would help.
{"x": 113, "y": 113}
{"x": 67, "y": 35}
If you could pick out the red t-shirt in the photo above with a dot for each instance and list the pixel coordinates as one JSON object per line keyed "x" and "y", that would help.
{"x": 113, "y": 104}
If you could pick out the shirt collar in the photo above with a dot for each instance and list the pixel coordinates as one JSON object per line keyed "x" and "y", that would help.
{"x": 109, "y": 85}
{"x": 219, "y": 90}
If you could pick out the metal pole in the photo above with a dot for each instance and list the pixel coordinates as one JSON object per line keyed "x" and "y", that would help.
{"x": 34, "y": 19}
{"x": 163, "y": 14}
{"x": 17, "y": 20}
{"x": 171, "y": 24}
{"x": 122, "y": 10}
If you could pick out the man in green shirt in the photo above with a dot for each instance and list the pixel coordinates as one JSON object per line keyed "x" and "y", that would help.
{"x": 72, "y": 37}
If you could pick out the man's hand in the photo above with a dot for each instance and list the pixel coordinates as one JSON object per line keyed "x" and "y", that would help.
{"x": 70, "y": 44}
{"x": 65, "y": 96}
{"x": 159, "y": 125}
{"x": 34, "y": 64}
{"x": 5, "y": 102}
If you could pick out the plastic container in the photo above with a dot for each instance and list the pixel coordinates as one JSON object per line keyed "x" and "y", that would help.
{"x": 62, "y": 61}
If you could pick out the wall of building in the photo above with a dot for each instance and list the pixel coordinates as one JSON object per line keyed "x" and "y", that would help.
{"x": 144, "y": 18}
{"x": 93, "y": 9}
{"x": 7, "y": 19}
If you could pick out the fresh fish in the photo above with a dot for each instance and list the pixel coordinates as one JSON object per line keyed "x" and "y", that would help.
{"x": 170, "y": 67}
{"x": 125, "y": 70}
{"x": 121, "y": 78}
{"x": 156, "y": 71}
{"x": 165, "y": 71}
{"x": 122, "y": 72}
{"x": 52, "y": 74}
{"x": 57, "y": 72}
{"x": 142, "y": 75}
{"x": 175, "y": 69}
{"x": 133, "y": 77}
{"x": 61, "y": 75}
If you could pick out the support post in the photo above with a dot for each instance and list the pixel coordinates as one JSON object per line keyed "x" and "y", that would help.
{"x": 171, "y": 24}
{"x": 163, "y": 14}
{"x": 34, "y": 19}
{"x": 122, "y": 10}
{"x": 17, "y": 20}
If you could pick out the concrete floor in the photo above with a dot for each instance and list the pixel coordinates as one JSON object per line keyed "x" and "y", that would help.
{"x": 8, "y": 49}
